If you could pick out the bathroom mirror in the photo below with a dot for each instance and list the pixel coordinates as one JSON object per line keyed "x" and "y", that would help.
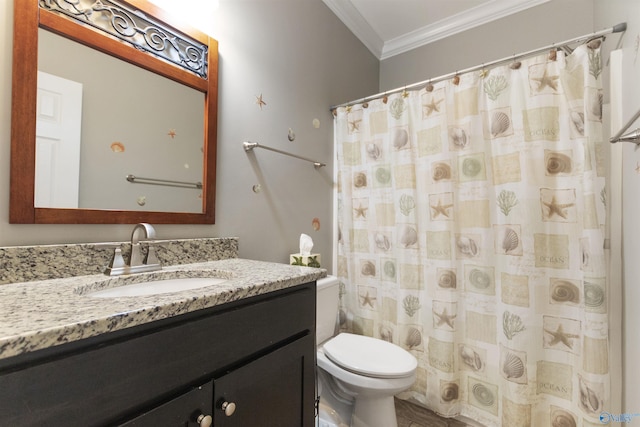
{"x": 183, "y": 59}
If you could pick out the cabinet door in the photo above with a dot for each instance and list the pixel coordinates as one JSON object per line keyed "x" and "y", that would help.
{"x": 275, "y": 390}
{"x": 182, "y": 411}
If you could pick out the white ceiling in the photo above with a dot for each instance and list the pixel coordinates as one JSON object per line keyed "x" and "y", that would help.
{"x": 391, "y": 27}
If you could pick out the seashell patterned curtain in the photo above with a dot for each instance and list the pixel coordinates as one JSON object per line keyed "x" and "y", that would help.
{"x": 471, "y": 220}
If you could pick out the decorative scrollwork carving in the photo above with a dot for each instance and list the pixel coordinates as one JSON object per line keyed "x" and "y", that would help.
{"x": 135, "y": 28}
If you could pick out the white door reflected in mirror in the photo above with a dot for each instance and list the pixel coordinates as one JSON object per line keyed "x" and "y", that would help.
{"x": 58, "y": 133}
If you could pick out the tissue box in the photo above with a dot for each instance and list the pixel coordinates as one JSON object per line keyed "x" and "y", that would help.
{"x": 311, "y": 260}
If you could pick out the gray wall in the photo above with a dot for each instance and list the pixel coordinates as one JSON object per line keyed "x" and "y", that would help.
{"x": 303, "y": 60}
{"x": 550, "y": 22}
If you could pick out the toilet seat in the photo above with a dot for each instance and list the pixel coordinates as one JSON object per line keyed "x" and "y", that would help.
{"x": 370, "y": 356}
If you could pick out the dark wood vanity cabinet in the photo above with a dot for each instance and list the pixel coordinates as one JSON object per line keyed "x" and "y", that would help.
{"x": 246, "y": 363}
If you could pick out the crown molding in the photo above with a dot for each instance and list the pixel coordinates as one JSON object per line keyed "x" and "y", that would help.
{"x": 479, "y": 15}
{"x": 350, "y": 16}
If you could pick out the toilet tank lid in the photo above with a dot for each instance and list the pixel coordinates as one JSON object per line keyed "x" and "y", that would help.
{"x": 370, "y": 356}
{"x": 326, "y": 281}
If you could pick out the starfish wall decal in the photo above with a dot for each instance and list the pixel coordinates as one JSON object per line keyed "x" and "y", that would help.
{"x": 260, "y": 101}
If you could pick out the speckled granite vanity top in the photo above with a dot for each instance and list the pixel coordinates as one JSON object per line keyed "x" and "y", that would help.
{"x": 42, "y": 314}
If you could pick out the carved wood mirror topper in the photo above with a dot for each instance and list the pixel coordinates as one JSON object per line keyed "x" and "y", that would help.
{"x": 141, "y": 37}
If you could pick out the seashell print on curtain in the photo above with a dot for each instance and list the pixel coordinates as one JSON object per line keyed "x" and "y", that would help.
{"x": 471, "y": 233}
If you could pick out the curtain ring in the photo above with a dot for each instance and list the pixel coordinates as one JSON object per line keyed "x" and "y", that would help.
{"x": 483, "y": 72}
{"x": 595, "y": 42}
{"x": 515, "y": 65}
{"x": 429, "y": 87}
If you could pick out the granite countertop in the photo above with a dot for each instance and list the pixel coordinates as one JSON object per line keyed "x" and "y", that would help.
{"x": 42, "y": 314}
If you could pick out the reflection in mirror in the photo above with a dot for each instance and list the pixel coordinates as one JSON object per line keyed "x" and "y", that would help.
{"x": 131, "y": 122}
{"x": 136, "y": 115}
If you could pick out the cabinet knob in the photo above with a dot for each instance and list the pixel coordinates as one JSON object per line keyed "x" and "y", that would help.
{"x": 228, "y": 407}
{"x": 204, "y": 420}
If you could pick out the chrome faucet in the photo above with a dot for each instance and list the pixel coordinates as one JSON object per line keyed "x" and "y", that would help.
{"x": 136, "y": 247}
{"x": 138, "y": 262}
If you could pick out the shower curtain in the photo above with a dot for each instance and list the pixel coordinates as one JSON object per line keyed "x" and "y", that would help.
{"x": 470, "y": 233}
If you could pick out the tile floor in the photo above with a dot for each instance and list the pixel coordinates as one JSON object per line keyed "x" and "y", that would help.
{"x": 410, "y": 415}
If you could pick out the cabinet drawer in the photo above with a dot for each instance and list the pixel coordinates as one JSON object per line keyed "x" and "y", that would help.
{"x": 117, "y": 380}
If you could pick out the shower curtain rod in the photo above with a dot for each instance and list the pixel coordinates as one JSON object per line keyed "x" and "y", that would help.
{"x": 615, "y": 29}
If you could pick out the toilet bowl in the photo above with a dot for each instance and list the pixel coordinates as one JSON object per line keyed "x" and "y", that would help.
{"x": 359, "y": 375}
{"x": 372, "y": 371}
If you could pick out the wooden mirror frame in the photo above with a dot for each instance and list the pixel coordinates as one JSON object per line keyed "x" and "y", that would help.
{"x": 28, "y": 17}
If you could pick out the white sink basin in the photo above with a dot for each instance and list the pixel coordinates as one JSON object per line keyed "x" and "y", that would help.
{"x": 156, "y": 287}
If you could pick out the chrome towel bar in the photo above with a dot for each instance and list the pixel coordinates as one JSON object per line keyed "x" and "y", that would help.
{"x": 166, "y": 182}
{"x": 249, "y": 146}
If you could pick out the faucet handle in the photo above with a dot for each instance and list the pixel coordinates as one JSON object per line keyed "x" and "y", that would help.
{"x": 117, "y": 260}
{"x": 151, "y": 257}
{"x": 116, "y": 263}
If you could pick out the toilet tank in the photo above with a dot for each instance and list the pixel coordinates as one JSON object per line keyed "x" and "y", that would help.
{"x": 327, "y": 290}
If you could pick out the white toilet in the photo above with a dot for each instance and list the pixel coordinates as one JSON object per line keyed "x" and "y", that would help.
{"x": 358, "y": 375}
